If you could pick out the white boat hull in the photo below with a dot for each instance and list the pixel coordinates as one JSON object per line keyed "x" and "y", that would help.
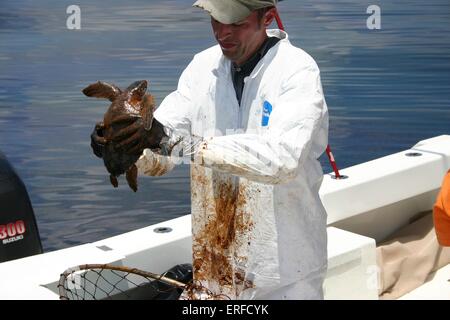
{"x": 378, "y": 198}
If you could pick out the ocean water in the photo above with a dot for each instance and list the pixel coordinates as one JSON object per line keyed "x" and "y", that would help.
{"x": 386, "y": 90}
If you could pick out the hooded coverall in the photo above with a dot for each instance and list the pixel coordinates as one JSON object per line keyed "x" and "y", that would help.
{"x": 259, "y": 227}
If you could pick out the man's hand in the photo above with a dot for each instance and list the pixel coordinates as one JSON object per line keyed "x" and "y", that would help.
{"x": 135, "y": 137}
{"x": 97, "y": 140}
{"x": 155, "y": 165}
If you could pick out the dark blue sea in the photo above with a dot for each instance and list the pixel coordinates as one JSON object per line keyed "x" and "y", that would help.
{"x": 386, "y": 90}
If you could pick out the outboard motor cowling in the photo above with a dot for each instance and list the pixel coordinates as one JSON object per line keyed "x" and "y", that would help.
{"x": 19, "y": 235}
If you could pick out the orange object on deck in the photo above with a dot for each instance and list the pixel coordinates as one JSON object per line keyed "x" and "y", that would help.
{"x": 441, "y": 213}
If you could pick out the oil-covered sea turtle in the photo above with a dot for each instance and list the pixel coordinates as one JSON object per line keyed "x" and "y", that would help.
{"x": 131, "y": 102}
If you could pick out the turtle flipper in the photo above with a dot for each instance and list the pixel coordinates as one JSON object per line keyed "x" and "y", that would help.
{"x": 132, "y": 177}
{"x": 114, "y": 181}
{"x": 102, "y": 90}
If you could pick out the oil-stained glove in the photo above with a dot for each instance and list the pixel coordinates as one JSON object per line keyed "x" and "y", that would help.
{"x": 153, "y": 164}
{"x": 97, "y": 140}
{"x": 135, "y": 137}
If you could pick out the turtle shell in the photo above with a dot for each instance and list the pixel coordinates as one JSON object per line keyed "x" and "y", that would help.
{"x": 132, "y": 103}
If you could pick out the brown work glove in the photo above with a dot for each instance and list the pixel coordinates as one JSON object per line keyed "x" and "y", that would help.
{"x": 134, "y": 138}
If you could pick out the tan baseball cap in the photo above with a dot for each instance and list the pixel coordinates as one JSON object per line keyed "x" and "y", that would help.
{"x": 232, "y": 11}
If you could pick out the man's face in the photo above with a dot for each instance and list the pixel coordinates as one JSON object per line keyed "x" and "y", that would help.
{"x": 239, "y": 41}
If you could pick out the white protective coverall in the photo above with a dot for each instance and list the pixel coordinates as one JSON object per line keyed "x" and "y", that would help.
{"x": 259, "y": 227}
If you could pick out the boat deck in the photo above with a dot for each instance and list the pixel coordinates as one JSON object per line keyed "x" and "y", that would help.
{"x": 437, "y": 287}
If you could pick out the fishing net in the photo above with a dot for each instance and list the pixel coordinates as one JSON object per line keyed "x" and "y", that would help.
{"x": 110, "y": 282}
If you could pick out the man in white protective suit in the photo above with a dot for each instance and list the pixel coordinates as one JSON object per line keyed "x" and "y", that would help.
{"x": 255, "y": 103}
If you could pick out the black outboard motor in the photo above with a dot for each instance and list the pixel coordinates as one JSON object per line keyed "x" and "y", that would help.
{"x": 19, "y": 235}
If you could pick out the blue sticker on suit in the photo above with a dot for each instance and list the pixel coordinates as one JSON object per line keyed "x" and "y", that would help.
{"x": 267, "y": 110}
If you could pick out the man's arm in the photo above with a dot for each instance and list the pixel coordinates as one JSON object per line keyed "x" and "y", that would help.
{"x": 298, "y": 128}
